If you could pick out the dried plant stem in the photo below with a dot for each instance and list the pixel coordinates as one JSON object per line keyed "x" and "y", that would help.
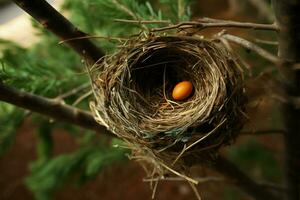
{"x": 200, "y": 180}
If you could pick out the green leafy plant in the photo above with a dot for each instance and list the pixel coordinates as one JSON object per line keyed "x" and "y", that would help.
{"x": 50, "y": 69}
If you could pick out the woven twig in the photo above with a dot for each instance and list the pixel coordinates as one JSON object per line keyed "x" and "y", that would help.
{"x": 133, "y": 87}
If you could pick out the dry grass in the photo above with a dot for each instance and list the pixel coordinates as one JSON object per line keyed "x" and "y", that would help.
{"x": 133, "y": 99}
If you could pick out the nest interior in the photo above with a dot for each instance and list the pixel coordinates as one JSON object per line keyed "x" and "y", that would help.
{"x": 133, "y": 90}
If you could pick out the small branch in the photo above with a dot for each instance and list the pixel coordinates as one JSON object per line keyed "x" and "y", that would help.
{"x": 51, "y": 108}
{"x": 199, "y": 180}
{"x": 126, "y": 10}
{"x": 52, "y": 20}
{"x": 82, "y": 97}
{"x": 142, "y": 21}
{"x": 273, "y": 186}
{"x": 242, "y": 181}
{"x": 73, "y": 91}
{"x": 214, "y": 23}
{"x": 267, "y": 42}
{"x": 108, "y": 38}
{"x": 251, "y": 46}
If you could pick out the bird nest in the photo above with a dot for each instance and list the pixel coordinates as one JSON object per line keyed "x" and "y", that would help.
{"x": 133, "y": 99}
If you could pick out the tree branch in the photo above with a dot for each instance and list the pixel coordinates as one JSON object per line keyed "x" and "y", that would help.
{"x": 251, "y": 46}
{"x": 73, "y": 91}
{"x": 51, "y": 108}
{"x": 288, "y": 19}
{"x": 227, "y": 168}
{"x": 52, "y": 20}
{"x": 216, "y": 23}
{"x": 60, "y": 112}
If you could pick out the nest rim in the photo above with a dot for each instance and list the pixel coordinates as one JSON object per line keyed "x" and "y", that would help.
{"x": 114, "y": 104}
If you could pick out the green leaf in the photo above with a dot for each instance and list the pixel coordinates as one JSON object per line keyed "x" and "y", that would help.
{"x": 46, "y": 177}
{"x": 10, "y": 119}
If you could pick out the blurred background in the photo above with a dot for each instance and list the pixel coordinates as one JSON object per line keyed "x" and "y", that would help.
{"x": 43, "y": 159}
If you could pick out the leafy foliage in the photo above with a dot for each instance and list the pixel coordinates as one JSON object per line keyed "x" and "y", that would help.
{"x": 86, "y": 162}
{"x": 8, "y": 126}
{"x": 50, "y": 69}
{"x": 40, "y": 70}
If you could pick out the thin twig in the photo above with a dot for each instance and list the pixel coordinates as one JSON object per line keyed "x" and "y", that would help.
{"x": 273, "y": 43}
{"x": 73, "y": 91}
{"x": 81, "y": 98}
{"x": 200, "y": 180}
{"x": 193, "y": 186}
{"x": 109, "y": 38}
{"x": 123, "y": 8}
{"x": 214, "y": 23}
{"x": 142, "y": 21}
{"x": 273, "y": 186}
{"x": 180, "y": 175}
{"x": 251, "y": 46}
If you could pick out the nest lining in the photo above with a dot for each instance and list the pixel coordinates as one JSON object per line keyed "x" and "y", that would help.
{"x": 133, "y": 99}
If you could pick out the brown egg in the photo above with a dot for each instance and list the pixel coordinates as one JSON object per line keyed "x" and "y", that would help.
{"x": 182, "y": 90}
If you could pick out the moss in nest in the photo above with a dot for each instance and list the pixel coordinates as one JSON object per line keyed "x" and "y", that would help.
{"x": 133, "y": 98}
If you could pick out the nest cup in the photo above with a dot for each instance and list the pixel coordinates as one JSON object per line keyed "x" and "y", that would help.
{"x": 133, "y": 98}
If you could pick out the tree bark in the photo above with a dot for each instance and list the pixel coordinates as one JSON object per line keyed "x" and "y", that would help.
{"x": 288, "y": 20}
{"x": 52, "y": 20}
{"x": 51, "y": 108}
